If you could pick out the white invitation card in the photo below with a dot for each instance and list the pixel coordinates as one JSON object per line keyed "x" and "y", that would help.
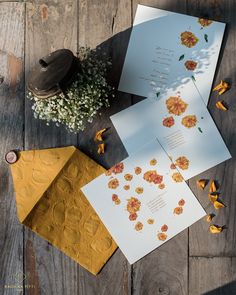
{"x": 143, "y": 201}
{"x": 181, "y": 123}
{"x": 167, "y": 49}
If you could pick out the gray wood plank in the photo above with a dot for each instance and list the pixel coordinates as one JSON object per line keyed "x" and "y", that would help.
{"x": 202, "y": 243}
{"x": 106, "y": 24}
{"x": 212, "y": 276}
{"x": 11, "y": 127}
{"x": 165, "y": 270}
{"x": 50, "y": 25}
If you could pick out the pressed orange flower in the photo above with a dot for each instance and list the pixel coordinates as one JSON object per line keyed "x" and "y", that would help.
{"x": 178, "y": 210}
{"x": 150, "y": 221}
{"x": 168, "y": 122}
{"x": 133, "y": 216}
{"x": 176, "y": 105}
{"x": 162, "y": 236}
{"x": 177, "y": 177}
{"x": 128, "y": 177}
{"x": 221, "y": 105}
{"x": 98, "y": 135}
{"x": 181, "y": 202}
{"x": 117, "y": 202}
{"x": 201, "y": 183}
{"x": 138, "y": 226}
{"x": 222, "y": 87}
{"x": 164, "y": 228}
{"x": 189, "y": 121}
{"x": 114, "y": 197}
{"x": 101, "y": 148}
{"x": 182, "y": 163}
{"x": 126, "y": 187}
{"x": 139, "y": 190}
{"x": 190, "y": 65}
{"x": 213, "y": 187}
{"x": 137, "y": 170}
{"x": 204, "y": 22}
{"x": 188, "y": 39}
{"x": 133, "y": 205}
{"x": 113, "y": 183}
{"x": 161, "y": 186}
{"x": 116, "y": 169}
{"x": 215, "y": 229}
{"x": 152, "y": 176}
{"x": 153, "y": 162}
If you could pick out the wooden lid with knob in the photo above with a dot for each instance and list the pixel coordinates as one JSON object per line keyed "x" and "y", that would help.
{"x": 53, "y": 73}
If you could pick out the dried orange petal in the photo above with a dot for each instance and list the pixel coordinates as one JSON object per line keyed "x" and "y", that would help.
{"x": 213, "y": 187}
{"x": 221, "y": 105}
{"x": 209, "y": 217}
{"x": 101, "y": 148}
{"x": 215, "y": 229}
{"x": 98, "y": 135}
{"x": 218, "y": 205}
{"x": 201, "y": 183}
{"x": 222, "y": 87}
{"x": 213, "y": 197}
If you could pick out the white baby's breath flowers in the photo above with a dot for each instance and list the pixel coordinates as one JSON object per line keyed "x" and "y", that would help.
{"x": 83, "y": 99}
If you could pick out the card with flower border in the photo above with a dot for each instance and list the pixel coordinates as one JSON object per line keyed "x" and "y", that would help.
{"x": 143, "y": 199}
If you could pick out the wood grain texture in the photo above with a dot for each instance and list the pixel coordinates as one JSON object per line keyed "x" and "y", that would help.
{"x": 50, "y": 25}
{"x": 212, "y": 276}
{"x": 201, "y": 242}
{"x": 11, "y": 130}
{"x": 106, "y": 24}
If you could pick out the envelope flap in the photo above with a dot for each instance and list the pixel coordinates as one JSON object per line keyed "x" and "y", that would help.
{"x": 34, "y": 172}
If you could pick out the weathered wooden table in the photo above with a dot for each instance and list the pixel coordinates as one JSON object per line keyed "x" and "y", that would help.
{"x": 194, "y": 262}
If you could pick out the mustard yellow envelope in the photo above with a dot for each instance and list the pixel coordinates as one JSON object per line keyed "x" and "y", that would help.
{"x": 49, "y": 201}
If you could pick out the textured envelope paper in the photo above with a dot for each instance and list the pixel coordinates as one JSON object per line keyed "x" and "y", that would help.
{"x": 143, "y": 201}
{"x": 167, "y": 49}
{"x": 49, "y": 201}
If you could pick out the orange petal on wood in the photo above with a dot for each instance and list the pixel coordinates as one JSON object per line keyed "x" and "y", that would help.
{"x": 221, "y": 106}
{"x": 213, "y": 197}
{"x": 209, "y": 217}
{"x": 98, "y": 135}
{"x": 101, "y": 148}
{"x": 215, "y": 229}
{"x": 213, "y": 187}
{"x": 201, "y": 183}
{"x": 218, "y": 205}
{"x": 222, "y": 87}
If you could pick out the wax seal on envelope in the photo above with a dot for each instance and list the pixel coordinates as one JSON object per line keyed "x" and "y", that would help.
{"x": 11, "y": 157}
{"x": 49, "y": 201}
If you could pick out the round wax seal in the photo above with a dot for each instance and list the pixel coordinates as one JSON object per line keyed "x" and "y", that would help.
{"x": 11, "y": 157}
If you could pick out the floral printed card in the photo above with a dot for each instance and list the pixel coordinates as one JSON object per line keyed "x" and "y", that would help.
{"x": 181, "y": 123}
{"x": 168, "y": 49}
{"x": 143, "y": 201}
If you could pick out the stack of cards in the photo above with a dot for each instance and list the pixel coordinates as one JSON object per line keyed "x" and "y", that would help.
{"x": 170, "y": 136}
